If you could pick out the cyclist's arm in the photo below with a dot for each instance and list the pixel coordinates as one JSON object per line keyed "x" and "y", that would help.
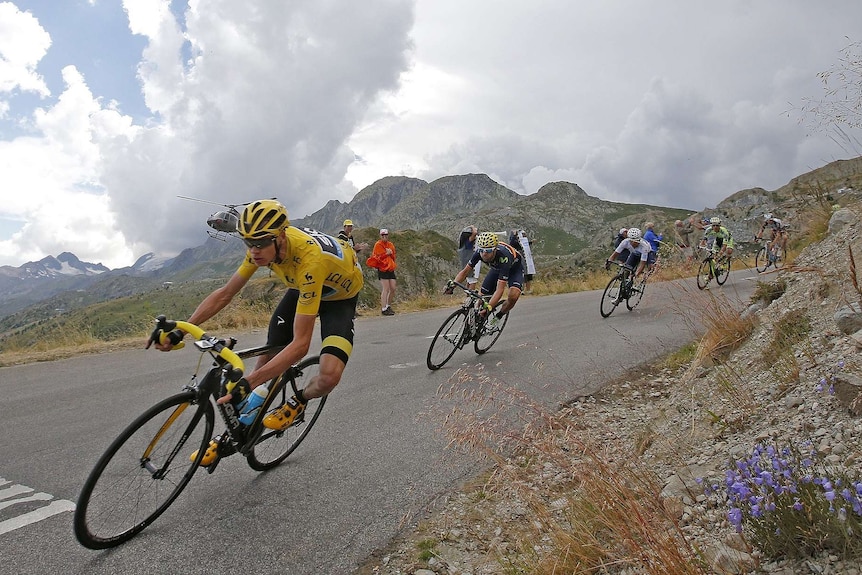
{"x": 218, "y": 299}
{"x": 498, "y": 293}
{"x": 303, "y": 329}
{"x": 462, "y": 275}
{"x": 211, "y": 305}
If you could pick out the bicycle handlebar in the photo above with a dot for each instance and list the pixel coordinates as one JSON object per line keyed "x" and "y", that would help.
{"x": 165, "y": 331}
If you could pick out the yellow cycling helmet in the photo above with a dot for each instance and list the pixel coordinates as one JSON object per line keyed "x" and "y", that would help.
{"x": 487, "y": 240}
{"x": 263, "y": 219}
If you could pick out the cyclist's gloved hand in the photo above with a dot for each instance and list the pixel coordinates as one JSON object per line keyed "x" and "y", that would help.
{"x": 607, "y": 264}
{"x": 450, "y": 288}
{"x": 166, "y": 340}
{"x": 486, "y": 306}
{"x": 236, "y": 393}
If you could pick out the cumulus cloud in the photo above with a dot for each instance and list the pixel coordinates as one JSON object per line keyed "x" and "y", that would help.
{"x": 248, "y": 100}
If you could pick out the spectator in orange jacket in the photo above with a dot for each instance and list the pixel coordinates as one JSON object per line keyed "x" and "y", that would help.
{"x": 384, "y": 252}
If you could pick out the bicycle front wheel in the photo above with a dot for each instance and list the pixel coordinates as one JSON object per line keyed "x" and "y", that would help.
{"x": 447, "y": 340}
{"x": 490, "y": 330}
{"x": 704, "y": 273}
{"x": 761, "y": 260}
{"x": 273, "y": 447}
{"x": 611, "y": 296}
{"x": 636, "y": 294}
{"x": 722, "y": 271}
{"x": 143, "y": 471}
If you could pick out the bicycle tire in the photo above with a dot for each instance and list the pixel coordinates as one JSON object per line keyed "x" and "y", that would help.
{"x": 121, "y": 496}
{"x": 488, "y": 338}
{"x": 273, "y": 447}
{"x": 722, "y": 271}
{"x": 704, "y": 273}
{"x": 761, "y": 261}
{"x": 447, "y": 340}
{"x": 780, "y": 257}
{"x": 610, "y": 297}
{"x": 636, "y": 294}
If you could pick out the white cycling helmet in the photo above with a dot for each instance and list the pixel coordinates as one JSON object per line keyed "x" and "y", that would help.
{"x": 715, "y": 221}
{"x": 767, "y": 216}
{"x": 634, "y": 234}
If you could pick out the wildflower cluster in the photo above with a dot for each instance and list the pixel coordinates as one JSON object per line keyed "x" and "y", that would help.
{"x": 790, "y": 503}
{"x": 827, "y": 382}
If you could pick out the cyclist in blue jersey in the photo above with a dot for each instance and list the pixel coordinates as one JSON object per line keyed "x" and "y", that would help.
{"x": 506, "y": 270}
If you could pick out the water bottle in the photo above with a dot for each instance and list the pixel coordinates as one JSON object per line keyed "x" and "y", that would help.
{"x": 249, "y": 408}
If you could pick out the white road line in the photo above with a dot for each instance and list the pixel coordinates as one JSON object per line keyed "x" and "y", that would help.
{"x": 54, "y": 508}
{"x": 34, "y": 497}
{"x": 14, "y": 490}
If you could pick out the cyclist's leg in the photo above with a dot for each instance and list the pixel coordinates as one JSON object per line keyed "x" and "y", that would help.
{"x": 336, "y": 332}
{"x": 515, "y": 283}
{"x": 336, "y": 329}
{"x": 280, "y": 332}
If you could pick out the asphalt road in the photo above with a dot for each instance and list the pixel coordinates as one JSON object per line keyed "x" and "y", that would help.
{"x": 375, "y": 462}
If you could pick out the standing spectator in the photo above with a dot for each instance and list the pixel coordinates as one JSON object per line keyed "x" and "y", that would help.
{"x": 466, "y": 247}
{"x": 653, "y": 240}
{"x": 346, "y": 234}
{"x": 518, "y": 239}
{"x": 684, "y": 229}
{"x": 624, "y": 232}
{"x": 384, "y": 254}
{"x": 620, "y": 237}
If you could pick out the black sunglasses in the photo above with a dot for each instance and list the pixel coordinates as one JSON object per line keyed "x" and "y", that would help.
{"x": 259, "y": 244}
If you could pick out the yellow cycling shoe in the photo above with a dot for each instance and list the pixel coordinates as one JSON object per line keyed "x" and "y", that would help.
{"x": 283, "y": 417}
{"x": 210, "y": 454}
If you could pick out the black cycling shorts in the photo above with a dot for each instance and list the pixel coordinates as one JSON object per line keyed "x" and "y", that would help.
{"x": 336, "y": 324}
{"x": 516, "y": 278}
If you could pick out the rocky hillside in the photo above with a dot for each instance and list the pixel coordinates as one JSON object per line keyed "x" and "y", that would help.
{"x": 561, "y": 217}
{"x": 795, "y": 380}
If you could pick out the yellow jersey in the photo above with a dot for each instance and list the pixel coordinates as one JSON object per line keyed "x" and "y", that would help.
{"x": 321, "y": 267}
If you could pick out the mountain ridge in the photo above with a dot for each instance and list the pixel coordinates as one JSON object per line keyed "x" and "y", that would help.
{"x": 561, "y": 218}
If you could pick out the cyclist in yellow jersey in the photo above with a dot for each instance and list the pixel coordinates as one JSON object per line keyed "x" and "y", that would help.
{"x": 323, "y": 279}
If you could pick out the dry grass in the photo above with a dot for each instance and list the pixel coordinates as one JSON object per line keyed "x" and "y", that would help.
{"x": 609, "y": 513}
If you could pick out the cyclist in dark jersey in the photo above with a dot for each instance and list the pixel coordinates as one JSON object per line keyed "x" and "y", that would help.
{"x": 506, "y": 270}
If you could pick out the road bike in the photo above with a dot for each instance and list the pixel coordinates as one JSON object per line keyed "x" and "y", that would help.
{"x": 149, "y": 464}
{"x": 767, "y": 255}
{"x": 623, "y": 288}
{"x": 464, "y": 325}
{"x": 713, "y": 267}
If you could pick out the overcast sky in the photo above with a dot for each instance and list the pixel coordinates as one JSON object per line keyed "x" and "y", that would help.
{"x": 110, "y": 109}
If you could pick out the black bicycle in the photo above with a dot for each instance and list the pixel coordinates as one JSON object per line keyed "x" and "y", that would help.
{"x": 622, "y": 288}
{"x": 464, "y": 325}
{"x": 150, "y": 463}
{"x": 713, "y": 267}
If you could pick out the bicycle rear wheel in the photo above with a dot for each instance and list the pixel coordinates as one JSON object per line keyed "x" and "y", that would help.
{"x": 722, "y": 271}
{"x": 273, "y": 447}
{"x": 447, "y": 340}
{"x": 761, "y": 260}
{"x": 780, "y": 257}
{"x": 636, "y": 294}
{"x": 143, "y": 471}
{"x": 704, "y": 273}
{"x": 611, "y": 296}
{"x": 488, "y": 336}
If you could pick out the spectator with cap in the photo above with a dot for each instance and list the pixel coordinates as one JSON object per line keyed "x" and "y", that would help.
{"x": 346, "y": 234}
{"x": 384, "y": 256}
{"x": 466, "y": 247}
